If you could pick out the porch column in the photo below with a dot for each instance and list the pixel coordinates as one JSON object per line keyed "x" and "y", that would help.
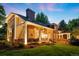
{"x": 15, "y": 28}
{"x": 68, "y": 36}
{"x": 62, "y": 35}
{"x": 8, "y": 34}
{"x": 39, "y": 36}
{"x": 25, "y": 35}
{"x": 59, "y": 36}
{"x": 47, "y": 38}
{"x": 47, "y": 35}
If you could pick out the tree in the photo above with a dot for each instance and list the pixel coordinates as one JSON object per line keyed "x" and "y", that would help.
{"x": 63, "y": 26}
{"x": 40, "y": 17}
{"x": 2, "y": 22}
{"x": 2, "y": 15}
{"x": 74, "y": 23}
{"x": 75, "y": 32}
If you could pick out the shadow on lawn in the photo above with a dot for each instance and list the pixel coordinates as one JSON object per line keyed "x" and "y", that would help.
{"x": 8, "y": 46}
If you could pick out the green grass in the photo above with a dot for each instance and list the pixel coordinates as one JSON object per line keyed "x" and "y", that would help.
{"x": 50, "y": 50}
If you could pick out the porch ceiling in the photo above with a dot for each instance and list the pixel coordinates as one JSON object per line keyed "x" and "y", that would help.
{"x": 36, "y": 25}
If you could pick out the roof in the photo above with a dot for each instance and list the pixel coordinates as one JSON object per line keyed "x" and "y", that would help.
{"x": 26, "y": 19}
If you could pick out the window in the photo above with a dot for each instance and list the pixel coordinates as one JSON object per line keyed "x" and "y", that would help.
{"x": 43, "y": 35}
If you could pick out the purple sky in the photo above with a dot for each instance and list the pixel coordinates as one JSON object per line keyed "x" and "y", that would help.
{"x": 55, "y": 11}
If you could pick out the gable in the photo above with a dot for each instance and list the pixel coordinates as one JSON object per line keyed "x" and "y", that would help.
{"x": 9, "y": 17}
{"x": 23, "y": 18}
{"x": 13, "y": 15}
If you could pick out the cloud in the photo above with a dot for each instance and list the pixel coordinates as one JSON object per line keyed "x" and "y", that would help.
{"x": 53, "y": 9}
{"x": 53, "y": 20}
{"x": 75, "y": 10}
{"x": 10, "y": 9}
{"x": 49, "y": 7}
{"x": 42, "y": 7}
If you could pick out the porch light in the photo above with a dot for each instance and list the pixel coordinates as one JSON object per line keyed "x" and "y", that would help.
{"x": 0, "y": 26}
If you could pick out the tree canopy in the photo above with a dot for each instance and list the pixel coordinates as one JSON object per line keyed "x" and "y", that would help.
{"x": 2, "y": 14}
{"x": 74, "y": 23}
{"x": 41, "y": 17}
{"x": 2, "y": 22}
{"x": 63, "y": 26}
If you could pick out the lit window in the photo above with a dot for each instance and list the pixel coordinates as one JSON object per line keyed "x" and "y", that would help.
{"x": 43, "y": 35}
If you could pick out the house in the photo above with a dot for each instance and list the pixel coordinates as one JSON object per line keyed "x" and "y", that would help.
{"x": 59, "y": 36}
{"x": 24, "y": 29}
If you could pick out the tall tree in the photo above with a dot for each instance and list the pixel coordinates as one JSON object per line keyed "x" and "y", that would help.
{"x": 41, "y": 17}
{"x": 2, "y": 21}
{"x": 74, "y": 23}
{"x": 63, "y": 26}
{"x": 2, "y": 14}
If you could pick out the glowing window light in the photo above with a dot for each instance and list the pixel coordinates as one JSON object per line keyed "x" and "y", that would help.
{"x": 43, "y": 35}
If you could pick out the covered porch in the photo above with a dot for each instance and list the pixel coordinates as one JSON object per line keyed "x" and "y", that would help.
{"x": 35, "y": 33}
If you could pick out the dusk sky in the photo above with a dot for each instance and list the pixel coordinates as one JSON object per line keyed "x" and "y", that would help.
{"x": 55, "y": 11}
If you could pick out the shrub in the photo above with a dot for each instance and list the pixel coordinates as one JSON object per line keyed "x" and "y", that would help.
{"x": 74, "y": 41}
{"x": 32, "y": 45}
{"x": 20, "y": 45}
{"x": 5, "y": 45}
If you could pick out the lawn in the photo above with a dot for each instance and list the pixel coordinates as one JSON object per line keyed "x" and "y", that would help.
{"x": 46, "y": 50}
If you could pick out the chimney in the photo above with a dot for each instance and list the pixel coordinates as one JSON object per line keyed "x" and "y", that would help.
{"x": 30, "y": 14}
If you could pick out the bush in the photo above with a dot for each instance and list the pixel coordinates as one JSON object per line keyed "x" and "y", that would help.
{"x": 2, "y": 37}
{"x": 32, "y": 45}
{"x": 5, "y": 45}
{"x": 74, "y": 41}
{"x": 20, "y": 45}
